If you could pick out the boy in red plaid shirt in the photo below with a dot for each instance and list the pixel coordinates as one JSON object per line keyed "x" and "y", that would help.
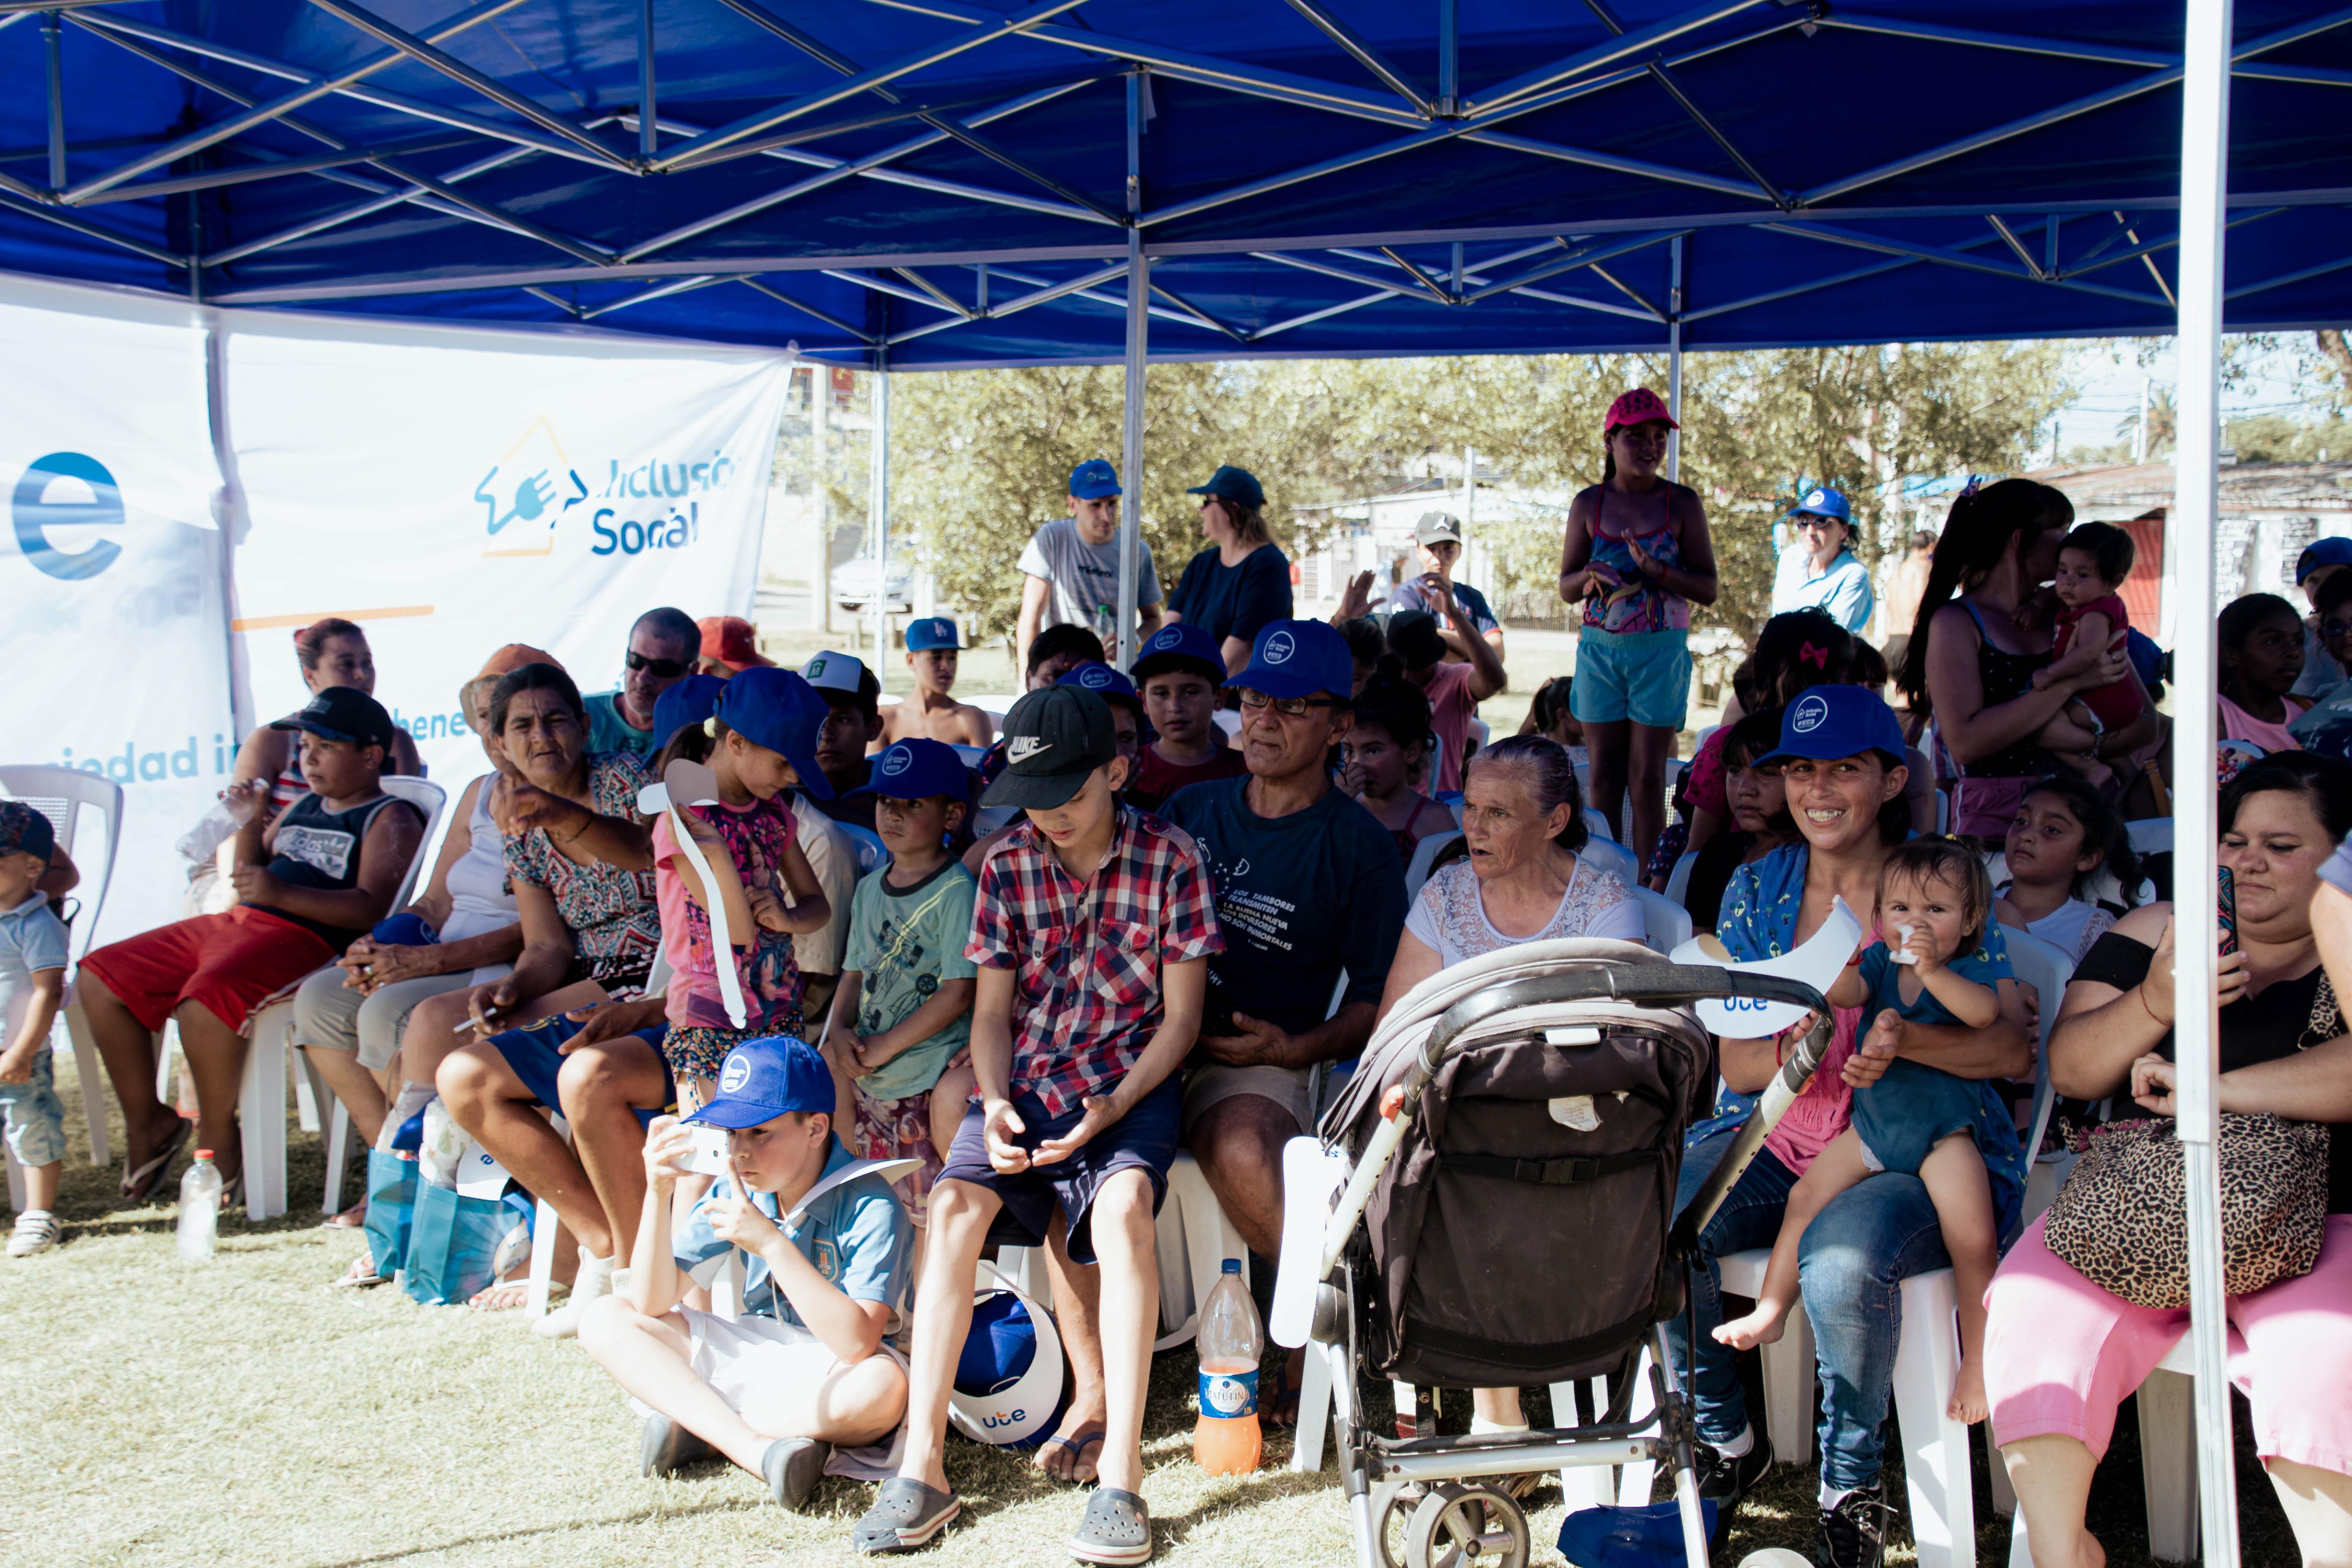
{"x": 1092, "y": 930}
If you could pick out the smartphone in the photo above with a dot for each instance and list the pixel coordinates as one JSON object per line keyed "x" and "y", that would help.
{"x": 710, "y": 1156}
{"x": 2227, "y": 907}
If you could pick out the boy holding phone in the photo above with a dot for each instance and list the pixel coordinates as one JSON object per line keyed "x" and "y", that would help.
{"x": 1091, "y": 929}
{"x": 806, "y": 1368}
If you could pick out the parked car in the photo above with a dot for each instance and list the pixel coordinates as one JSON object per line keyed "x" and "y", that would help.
{"x": 855, "y": 582}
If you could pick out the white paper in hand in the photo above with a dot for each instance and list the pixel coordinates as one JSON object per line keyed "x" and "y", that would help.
{"x": 1817, "y": 964}
{"x": 693, "y": 784}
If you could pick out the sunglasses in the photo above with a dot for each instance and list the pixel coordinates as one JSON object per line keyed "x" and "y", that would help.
{"x": 1288, "y": 707}
{"x": 666, "y": 669}
{"x": 2332, "y": 630}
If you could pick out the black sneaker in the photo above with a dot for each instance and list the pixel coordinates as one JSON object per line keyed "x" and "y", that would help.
{"x": 1854, "y": 1533}
{"x": 1724, "y": 1481}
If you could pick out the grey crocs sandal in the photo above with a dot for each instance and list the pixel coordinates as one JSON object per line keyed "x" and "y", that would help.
{"x": 665, "y": 1447}
{"x": 906, "y": 1514}
{"x": 1117, "y": 1530}
{"x": 793, "y": 1467}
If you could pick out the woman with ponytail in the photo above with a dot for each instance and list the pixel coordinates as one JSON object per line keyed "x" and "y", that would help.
{"x": 1637, "y": 556}
{"x": 1971, "y": 660}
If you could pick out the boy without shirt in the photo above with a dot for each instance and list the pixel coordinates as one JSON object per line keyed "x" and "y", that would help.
{"x": 1091, "y": 929}
{"x": 932, "y": 714}
{"x": 1180, "y": 673}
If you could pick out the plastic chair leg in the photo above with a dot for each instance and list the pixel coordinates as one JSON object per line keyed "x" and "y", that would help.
{"x": 16, "y": 1183}
{"x": 92, "y": 1070}
{"x": 166, "y": 1043}
{"x": 1315, "y": 1411}
{"x": 1582, "y": 1486}
{"x": 339, "y": 1149}
{"x": 1633, "y": 1481}
{"x": 2020, "y": 1554}
{"x": 1030, "y": 1271}
{"x": 1193, "y": 1239}
{"x": 543, "y": 1226}
{"x": 261, "y": 1114}
{"x": 1790, "y": 1365}
{"x": 1935, "y": 1447}
{"x": 2004, "y": 1496}
{"x": 2168, "y": 1449}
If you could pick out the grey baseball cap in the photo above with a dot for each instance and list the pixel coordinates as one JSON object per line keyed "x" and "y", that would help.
{"x": 1436, "y": 525}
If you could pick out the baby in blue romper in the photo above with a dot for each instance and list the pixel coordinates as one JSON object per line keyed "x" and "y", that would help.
{"x": 1942, "y": 962}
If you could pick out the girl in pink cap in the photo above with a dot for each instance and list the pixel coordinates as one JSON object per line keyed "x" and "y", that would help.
{"x": 1637, "y": 556}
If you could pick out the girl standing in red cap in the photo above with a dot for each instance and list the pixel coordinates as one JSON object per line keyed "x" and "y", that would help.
{"x": 1637, "y": 556}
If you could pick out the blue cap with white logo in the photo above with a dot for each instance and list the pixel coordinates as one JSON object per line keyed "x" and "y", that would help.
{"x": 919, "y": 769}
{"x": 761, "y": 1080}
{"x": 1299, "y": 658}
{"x": 1104, "y": 681}
{"x": 2333, "y": 551}
{"x": 1823, "y": 501}
{"x": 931, "y": 632}
{"x": 1093, "y": 480}
{"x": 1838, "y": 721}
{"x": 690, "y": 701}
{"x": 1182, "y": 645}
{"x": 776, "y": 709}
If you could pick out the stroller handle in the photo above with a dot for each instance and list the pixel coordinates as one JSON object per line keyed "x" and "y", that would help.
{"x": 1649, "y": 986}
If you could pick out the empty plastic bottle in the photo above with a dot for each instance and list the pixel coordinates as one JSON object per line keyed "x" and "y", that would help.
{"x": 200, "y": 1193}
{"x": 1226, "y": 1440}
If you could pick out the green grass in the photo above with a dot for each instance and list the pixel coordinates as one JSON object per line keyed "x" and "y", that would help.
{"x": 241, "y": 1412}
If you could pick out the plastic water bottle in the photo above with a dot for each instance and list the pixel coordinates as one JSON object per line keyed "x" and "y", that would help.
{"x": 1226, "y": 1440}
{"x": 200, "y": 1193}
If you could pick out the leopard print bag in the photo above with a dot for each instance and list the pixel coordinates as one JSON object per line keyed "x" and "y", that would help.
{"x": 2121, "y": 1219}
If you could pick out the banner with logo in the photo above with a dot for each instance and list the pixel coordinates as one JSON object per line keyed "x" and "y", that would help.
{"x": 113, "y": 638}
{"x": 452, "y": 490}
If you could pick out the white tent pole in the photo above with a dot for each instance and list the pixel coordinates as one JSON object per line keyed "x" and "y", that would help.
{"x": 1675, "y": 364}
{"x": 1131, "y": 456}
{"x": 2204, "y": 184}
{"x": 878, "y": 509}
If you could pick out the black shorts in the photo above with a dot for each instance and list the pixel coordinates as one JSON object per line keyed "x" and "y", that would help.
{"x": 1143, "y": 1140}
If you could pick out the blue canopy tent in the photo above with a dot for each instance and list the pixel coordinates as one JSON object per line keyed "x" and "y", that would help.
{"x": 937, "y": 183}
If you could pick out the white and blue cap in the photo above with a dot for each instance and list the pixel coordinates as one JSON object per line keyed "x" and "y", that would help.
{"x": 918, "y": 769}
{"x": 931, "y": 632}
{"x": 1823, "y": 501}
{"x": 1105, "y": 682}
{"x": 1093, "y": 480}
{"x": 1181, "y": 645}
{"x": 761, "y": 1080}
{"x": 1299, "y": 658}
{"x": 1829, "y": 721}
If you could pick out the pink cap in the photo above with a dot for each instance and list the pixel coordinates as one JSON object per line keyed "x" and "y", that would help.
{"x": 1638, "y": 407}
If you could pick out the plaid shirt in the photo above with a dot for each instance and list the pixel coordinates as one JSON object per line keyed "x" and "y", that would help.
{"x": 1085, "y": 957}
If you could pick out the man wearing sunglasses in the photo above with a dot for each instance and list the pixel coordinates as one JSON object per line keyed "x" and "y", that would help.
{"x": 663, "y": 647}
{"x": 1309, "y": 884}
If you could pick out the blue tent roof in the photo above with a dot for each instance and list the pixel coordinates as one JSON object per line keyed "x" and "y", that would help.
{"x": 947, "y": 182}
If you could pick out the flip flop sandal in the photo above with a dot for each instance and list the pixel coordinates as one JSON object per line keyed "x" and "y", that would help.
{"x": 1089, "y": 1436}
{"x": 906, "y": 1514}
{"x": 142, "y": 1184}
{"x": 1117, "y": 1530}
{"x": 360, "y": 1274}
{"x": 1283, "y": 1413}
{"x": 351, "y": 1218}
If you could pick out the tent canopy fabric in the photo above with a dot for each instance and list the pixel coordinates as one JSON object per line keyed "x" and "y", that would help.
{"x": 933, "y": 183}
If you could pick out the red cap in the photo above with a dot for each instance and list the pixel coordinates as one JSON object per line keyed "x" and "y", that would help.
{"x": 731, "y": 640}
{"x": 1638, "y": 407}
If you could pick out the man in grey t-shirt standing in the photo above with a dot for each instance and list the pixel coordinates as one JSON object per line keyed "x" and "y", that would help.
{"x": 1072, "y": 564}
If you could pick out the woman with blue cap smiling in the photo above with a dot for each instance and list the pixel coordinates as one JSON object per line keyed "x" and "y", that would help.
{"x": 1818, "y": 568}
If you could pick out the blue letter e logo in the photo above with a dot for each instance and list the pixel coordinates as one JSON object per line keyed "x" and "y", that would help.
{"x": 35, "y": 516}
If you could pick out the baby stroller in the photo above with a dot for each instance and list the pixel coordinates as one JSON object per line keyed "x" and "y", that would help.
{"x": 1491, "y": 1204}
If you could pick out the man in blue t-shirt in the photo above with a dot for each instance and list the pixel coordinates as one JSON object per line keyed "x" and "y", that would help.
{"x": 1309, "y": 884}
{"x": 1439, "y": 536}
{"x": 663, "y": 646}
{"x": 827, "y": 1253}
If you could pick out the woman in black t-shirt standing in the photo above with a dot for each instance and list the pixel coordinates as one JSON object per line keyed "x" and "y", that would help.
{"x": 2060, "y": 1352}
{"x": 1232, "y": 589}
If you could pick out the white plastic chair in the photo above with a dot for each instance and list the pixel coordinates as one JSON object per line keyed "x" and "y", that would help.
{"x": 261, "y": 1101}
{"x": 1665, "y": 926}
{"x": 871, "y": 850}
{"x": 67, "y": 796}
{"x": 1607, "y": 855}
{"x": 1678, "y": 881}
{"x": 1594, "y": 822}
{"x": 1424, "y": 855}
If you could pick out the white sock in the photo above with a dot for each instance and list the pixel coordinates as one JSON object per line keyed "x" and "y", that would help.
{"x": 1737, "y": 1449}
{"x": 1831, "y": 1497}
{"x": 1480, "y": 1427}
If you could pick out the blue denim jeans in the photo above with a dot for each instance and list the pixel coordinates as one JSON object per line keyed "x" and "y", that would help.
{"x": 1851, "y": 1268}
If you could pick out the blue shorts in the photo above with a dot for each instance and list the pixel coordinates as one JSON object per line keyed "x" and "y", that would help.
{"x": 1642, "y": 676}
{"x": 534, "y": 1056}
{"x": 1143, "y": 1140}
{"x": 35, "y": 1117}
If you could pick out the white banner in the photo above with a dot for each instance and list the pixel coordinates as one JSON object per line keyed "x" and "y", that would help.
{"x": 114, "y": 640}
{"x": 455, "y": 489}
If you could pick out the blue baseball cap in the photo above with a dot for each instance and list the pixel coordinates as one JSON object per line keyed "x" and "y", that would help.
{"x": 24, "y": 831}
{"x": 342, "y": 713}
{"x": 761, "y": 1080}
{"x": 2333, "y": 551}
{"x": 919, "y": 769}
{"x": 1823, "y": 501}
{"x": 931, "y": 632}
{"x": 1838, "y": 721}
{"x": 1104, "y": 681}
{"x": 1182, "y": 646}
{"x": 1299, "y": 658}
{"x": 776, "y": 709}
{"x": 1229, "y": 483}
{"x": 689, "y": 701}
{"x": 1093, "y": 480}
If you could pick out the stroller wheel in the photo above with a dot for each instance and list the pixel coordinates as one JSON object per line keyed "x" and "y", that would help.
{"x": 1472, "y": 1526}
{"x": 1394, "y": 1502}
